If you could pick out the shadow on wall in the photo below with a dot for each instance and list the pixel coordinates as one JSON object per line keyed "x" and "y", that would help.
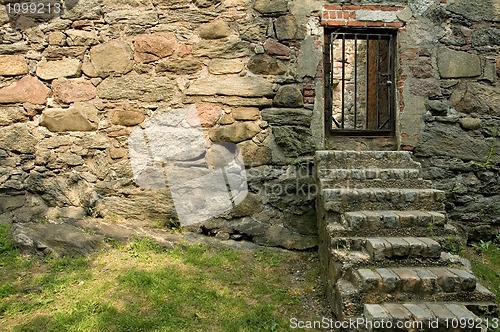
{"x": 170, "y": 152}
{"x": 24, "y": 15}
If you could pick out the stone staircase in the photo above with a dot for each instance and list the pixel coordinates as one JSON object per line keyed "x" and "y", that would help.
{"x": 381, "y": 229}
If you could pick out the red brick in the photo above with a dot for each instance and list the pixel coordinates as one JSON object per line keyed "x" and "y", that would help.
{"x": 394, "y": 24}
{"x": 309, "y": 86}
{"x": 370, "y": 7}
{"x": 332, "y": 7}
{"x": 324, "y": 22}
{"x": 336, "y": 23}
{"x": 326, "y": 14}
{"x": 407, "y": 148}
{"x": 374, "y": 24}
{"x": 352, "y": 15}
{"x": 309, "y": 100}
{"x": 357, "y": 24}
{"x": 308, "y": 93}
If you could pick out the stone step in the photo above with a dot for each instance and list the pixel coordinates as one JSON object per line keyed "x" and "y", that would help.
{"x": 342, "y": 261}
{"x": 347, "y": 299}
{"x": 340, "y": 174}
{"x": 335, "y": 229}
{"x": 415, "y": 280}
{"x": 376, "y": 199}
{"x": 375, "y": 220}
{"x": 421, "y": 316}
{"x": 382, "y": 248}
{"x": 364, "y": 159}
{"x": 377, "y": 183}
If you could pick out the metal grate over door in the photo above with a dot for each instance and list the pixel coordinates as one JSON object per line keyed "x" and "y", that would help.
{"x": 359, "y": 82}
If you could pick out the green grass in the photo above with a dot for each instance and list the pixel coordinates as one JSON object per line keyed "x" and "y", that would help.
{"x": 485, "y": 260}
{"x": 141, "y": 286}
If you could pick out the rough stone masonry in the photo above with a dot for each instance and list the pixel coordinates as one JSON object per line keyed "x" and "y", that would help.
{"x": 73, "y": 89}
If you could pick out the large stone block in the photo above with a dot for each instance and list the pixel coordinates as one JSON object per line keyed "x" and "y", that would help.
{"x": 146, "y": 205}
{"x": 55, "y": 52}
{"x": 458, "y": 64}
{"x": 56, "y": 239}
{"x": 275, "y": 7}
{"x": 49, "y": 70}
{"x": 227, "y": 48}
{"x": 11, "y": 202}
{"x": 445, "y": 139}
{"x": 289, "y": 96}
{"x": 179, "y": 66}
{"x": 476, "y": 10}
{"x": 17, "y": 138}
{"x": 273, "y": 47}
{"x": 287, "y": 116}
{"x": 27, "y": 89}
{"x": 286, "y": 27}
{"x": 81, "y": 38}
{"x": 127, "y": 118}
{"x": 70, "y": 91}
{"x": 253, "y": 154}
{"x": 111, "y": 57}
{"x": 19, "y": 47}
{"x": 204, "y": 114}
{"x": 149, "y": 48}
{"x": 263, "y": 64}
{"x": 12, "y": 65}
{"x": 476, "y": 97}
{"x": 246, "y": 114}
{"x": 136, "y": 87}
{"x": 294, "y": 141}
{"x": 486, "y": 37}
{"x": 251, "y": 86}
{"x": 215, "y": 30}
{"x": 236, "y": 132}
{"x": 229, "y": 66}
{"x": 81, "y": 117}
{"x": 12, "y": 114}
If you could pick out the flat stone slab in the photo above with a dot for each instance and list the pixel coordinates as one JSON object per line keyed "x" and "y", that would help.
{"x": 422, "y": 316}
{"x": 417, "y": 280}
{"x": 392, "y": 219}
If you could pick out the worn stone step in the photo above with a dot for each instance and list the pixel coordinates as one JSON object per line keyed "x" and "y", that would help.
{"x": 365, "y": 159}
{"x": 342, "y": 261}
{"x": 377, "y": 183}
{"x": 441, "y": 234}
{"x": 375, "y": 220}
{"x": 342, "y": 174}
{"x": 402, "y": 247}
{"x": 421, "y": 316}
{"x": 383, "y": 248}
{"x": 417, "y": 280}
{"x": 347, "y": 298}
{"x": 376, "y": 199}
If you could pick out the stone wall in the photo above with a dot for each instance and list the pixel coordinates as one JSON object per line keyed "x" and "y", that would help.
{"x": 459, "y": 145}
{"x": 76, "y": 90}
